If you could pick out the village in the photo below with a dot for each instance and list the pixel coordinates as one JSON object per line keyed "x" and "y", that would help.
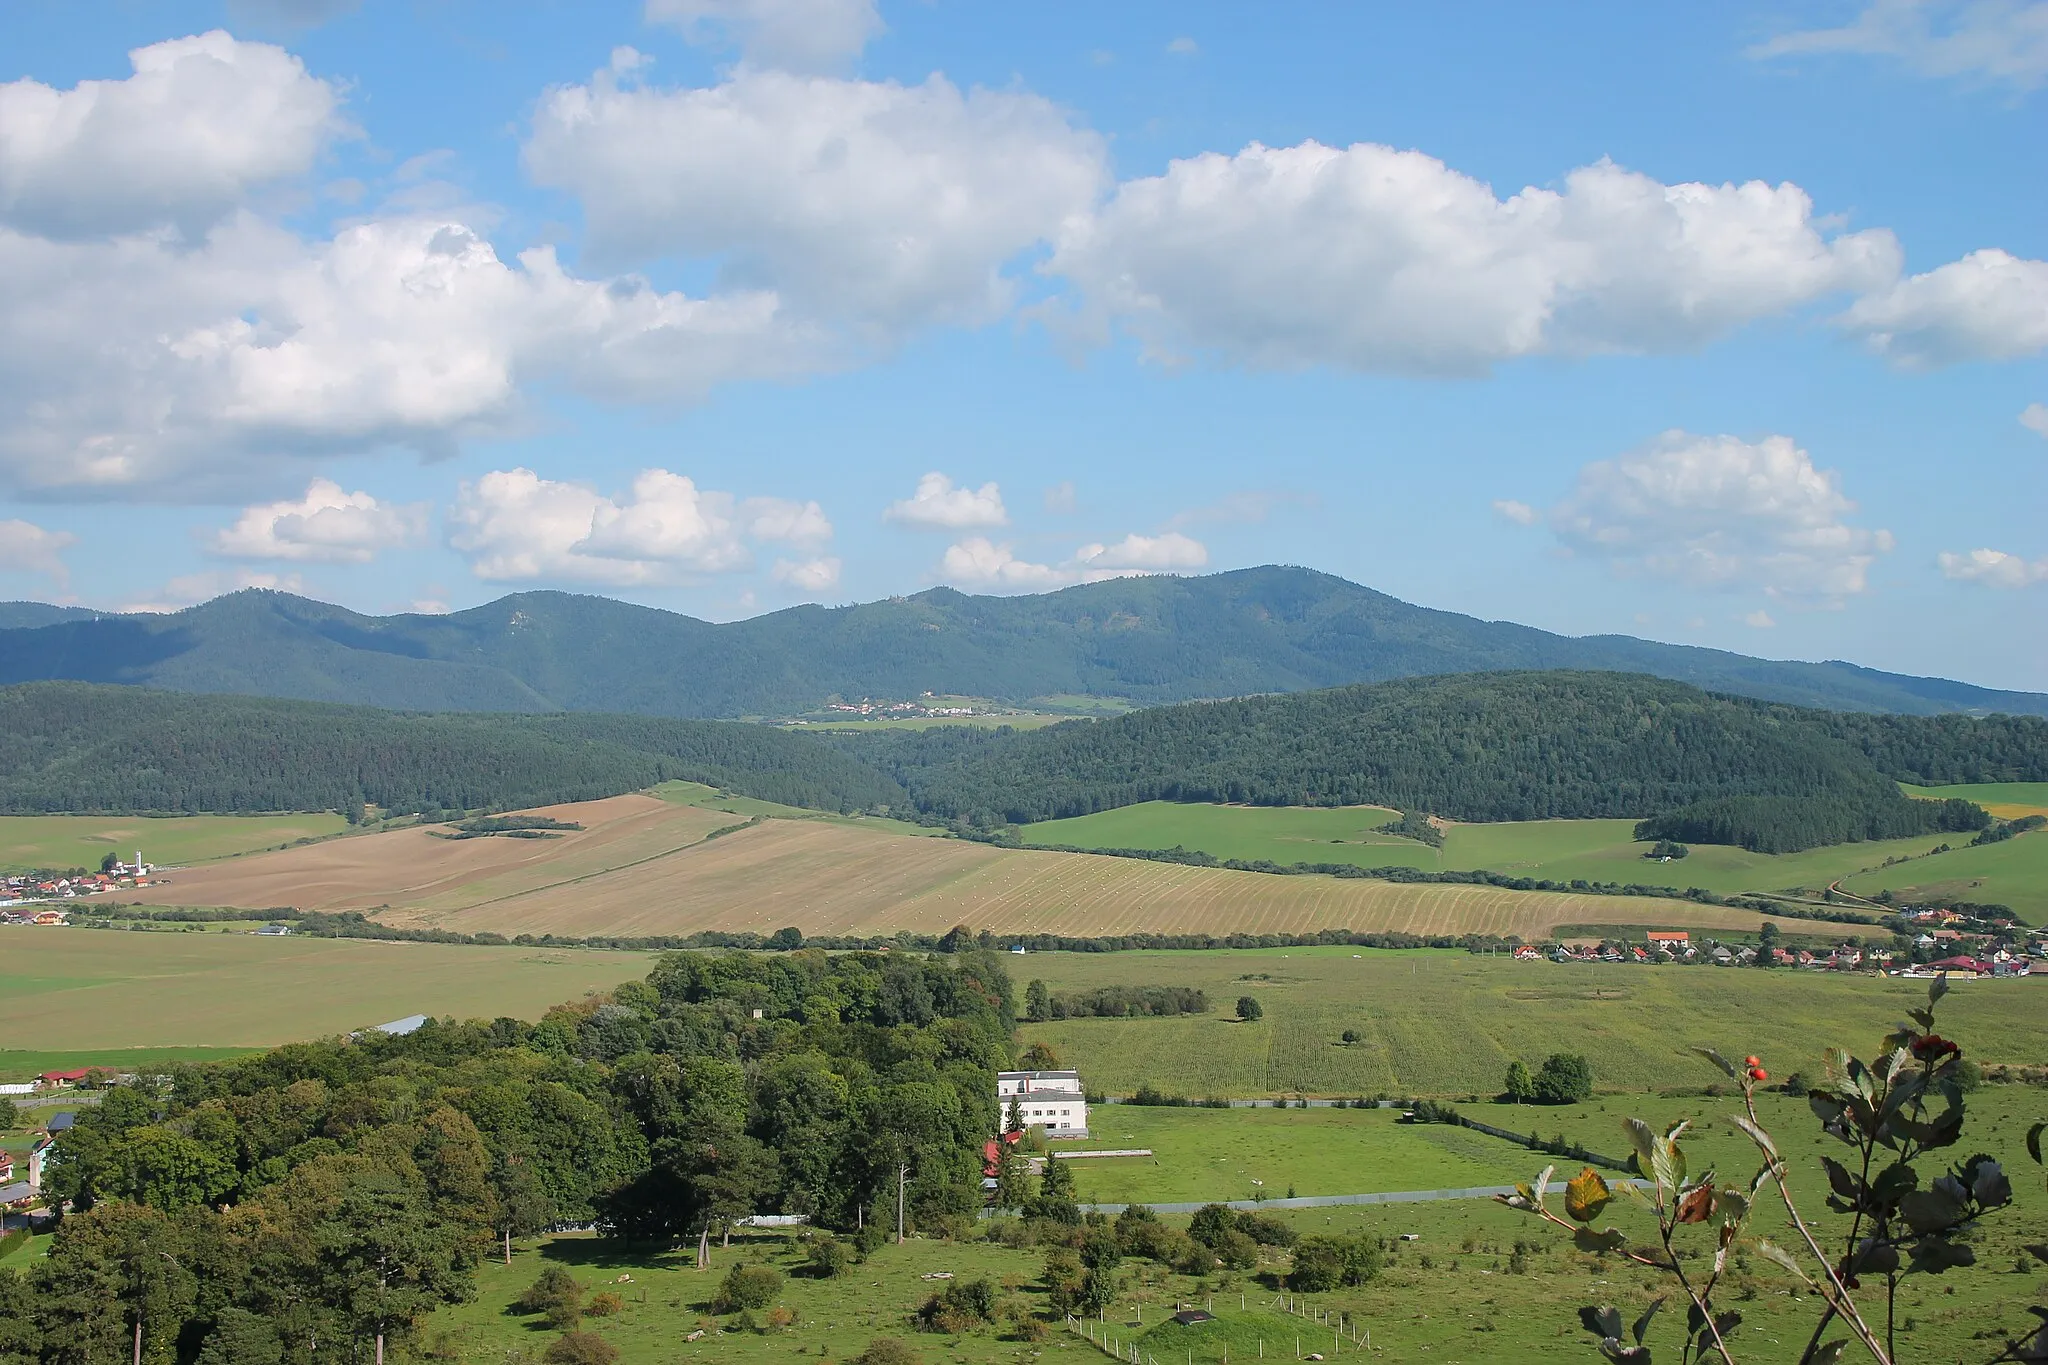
{"x": 38, "y": 889}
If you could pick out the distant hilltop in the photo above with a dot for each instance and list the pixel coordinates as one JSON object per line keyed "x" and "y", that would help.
{"x": 1134, "y": 641}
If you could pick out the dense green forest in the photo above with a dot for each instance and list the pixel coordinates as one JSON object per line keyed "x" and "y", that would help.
{"x": 80, "y": 747}
{"x": 300, "y": 1205}
{"x": 1147, "y": 640}
{"x": 1502, "y": 746}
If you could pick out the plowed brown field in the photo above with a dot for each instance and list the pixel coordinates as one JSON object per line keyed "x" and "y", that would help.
{"x": 642, "y": 866}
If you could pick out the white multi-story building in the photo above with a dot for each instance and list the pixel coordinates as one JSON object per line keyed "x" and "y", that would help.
{"x": 1053, "y": 1100}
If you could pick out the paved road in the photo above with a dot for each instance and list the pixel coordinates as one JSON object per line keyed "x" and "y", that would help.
{"x": 1325, "y": 1201}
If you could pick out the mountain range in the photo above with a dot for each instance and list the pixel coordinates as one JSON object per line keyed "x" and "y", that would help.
{"x": 1142, "y": 641}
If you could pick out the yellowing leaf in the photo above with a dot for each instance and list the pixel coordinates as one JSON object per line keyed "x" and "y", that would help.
{"x": 1586, "y": 1195}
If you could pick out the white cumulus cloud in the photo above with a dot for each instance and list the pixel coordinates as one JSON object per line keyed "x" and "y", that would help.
{"x": 879, "y": 205}
{"x": 1993, "y": 569}
{"x": 200, "y": 122}
{"x": 1169, "y": 550}
{"x": 1376, "y": 259}
{"x": 135, "y": 366}
{"x": 28, "y": 548}
{"x": 189, "y": 590}
{"x": 1990, "y": 305}
{"x": 2035, "y": 418}
{"x": 978, "y": 561}
{"x": 515, "y": 525}
{"x": 808, "y": 575}
{"x": 1721, "y": 512}
{"x": 326, "y": 525}
{"x": 938, "y": 505}
{"x": 2004, "y": 41}
{"x": 798, "y": 35}
{"x": 1520, "y": 513}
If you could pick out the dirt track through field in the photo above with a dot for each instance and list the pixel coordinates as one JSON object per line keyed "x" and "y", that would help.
{"x": 643, "y": 866}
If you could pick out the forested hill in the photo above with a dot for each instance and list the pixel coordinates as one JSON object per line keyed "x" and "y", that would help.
{"x": 1503, "y": 746}
{"x": 78, "y": 747}
{"x": 1145, "y": 640}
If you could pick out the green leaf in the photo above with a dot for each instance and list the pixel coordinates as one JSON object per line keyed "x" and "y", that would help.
{"x": 1733, "y": 1206}
{"x": 1936, "y": 989}
{"x": 1642, "y": 1324}
{"x": 1586, "y": 1195}
{"x": 2034, "y": 1141}
{"x": 1770, "y": 1251}
{"x": 1932, "y": 1255}
{"x": 1726, "y": 1066}
{"x": 1831, "y": 1352}
{"x": 1644, "y": 1139}
{"x": 1839, "y": 1179}
{"x": 1624, "y": 1355}
{"x": 1874, "y": 1256}
{"x": 1758, "y": 1136}
{"x": 1928, "y": 1211}
{"x": 1543, "y": 1183}
{"x": 1604, "y": 1321}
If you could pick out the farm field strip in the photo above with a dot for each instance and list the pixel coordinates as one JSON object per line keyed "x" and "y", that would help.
{"x": 66, "y": 841}
{"x": 121, "y": 990}
{"x": 1449, "y": 1022}
{"x": 643, "y": 866}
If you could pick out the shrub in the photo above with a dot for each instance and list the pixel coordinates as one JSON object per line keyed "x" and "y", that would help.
{"x": 581, "y": 1348}
{"x": 1236, "y": 1250}
{"x": 1248, "y": 1008}
{"x": 830, "y": 1258}
{"x": 887, "y": 1351}
{"x": 556, "y": 1294}
{"x": 1324, "y": 1262}
{"x": 747, "y": 1286}
{"x": 603, "y": 1304}
{"x": 960, "y": 1307}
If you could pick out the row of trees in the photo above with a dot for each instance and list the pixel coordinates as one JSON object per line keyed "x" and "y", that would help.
{"x": 1113, "y": 1002}
{"x": 300, "y": 1205}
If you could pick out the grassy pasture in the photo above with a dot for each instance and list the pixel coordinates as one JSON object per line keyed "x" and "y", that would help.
{"x": 1448, "y": 1023}
{"x": 1225, "y": 1154}
{"x": 93, "y": 993}
{"x": 2014, "y": 873}
{"x": 33, "y": 841}
{"x": 1560, "y": 850}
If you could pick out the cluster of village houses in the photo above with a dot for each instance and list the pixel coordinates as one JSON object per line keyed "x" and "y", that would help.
{"x": 1943, "y": 941}
{"x": 27, "y": 898}
{"x": 21, "y": 1187}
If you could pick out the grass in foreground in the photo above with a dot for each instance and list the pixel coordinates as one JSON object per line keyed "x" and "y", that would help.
{"x": 1448, "y": 1023}
{"x": 64, "y": 841}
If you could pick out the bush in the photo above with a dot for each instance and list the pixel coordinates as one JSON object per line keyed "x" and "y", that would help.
{"x": 556, "y": 1294}
{"x": 960, "y": 1307}
{"x": 581, "y": 1348}
{"x": 1248, "y": 1008}
{"x": 887, "y": 1351}
{"x": 747, "y": 1286}
{"x": 604, "y": 1304}
{"x": 830, "y": 1258}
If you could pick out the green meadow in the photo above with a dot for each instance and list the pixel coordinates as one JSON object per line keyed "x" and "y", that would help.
{"x": 1582, "y": 850}
{"x": 64, "y": 841}
{"x": 1448, "y": 1023}
{"x": 1224, "y": 1154}
{"x": 2007, "y": 800}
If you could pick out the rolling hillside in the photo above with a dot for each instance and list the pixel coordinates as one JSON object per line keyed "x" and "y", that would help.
{"x": 1144, "y": 640}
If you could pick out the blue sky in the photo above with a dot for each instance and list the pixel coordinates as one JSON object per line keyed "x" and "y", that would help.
{"x": 1715, "y": 324}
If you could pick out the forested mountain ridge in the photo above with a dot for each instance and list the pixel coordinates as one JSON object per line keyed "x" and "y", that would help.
{"x": 1146, "y": 640}
{"x": 1484, "y": 747}
{"x": 81, "y": 747}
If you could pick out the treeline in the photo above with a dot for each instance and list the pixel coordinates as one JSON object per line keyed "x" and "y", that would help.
{"x": 89, "y": 748}
{"x": 1483, "y": 747}
{"x": 307, "y": 1203}
{"x": 1786, "y": 824}
{"x": 1113, "y": 1002}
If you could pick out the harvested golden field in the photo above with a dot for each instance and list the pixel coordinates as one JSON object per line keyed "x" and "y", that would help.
{"x": 412, "y": 867}
{"x": 643, "y": 867}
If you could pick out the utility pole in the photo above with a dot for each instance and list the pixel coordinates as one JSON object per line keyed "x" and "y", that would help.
{"x": 902, "y": 1178}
